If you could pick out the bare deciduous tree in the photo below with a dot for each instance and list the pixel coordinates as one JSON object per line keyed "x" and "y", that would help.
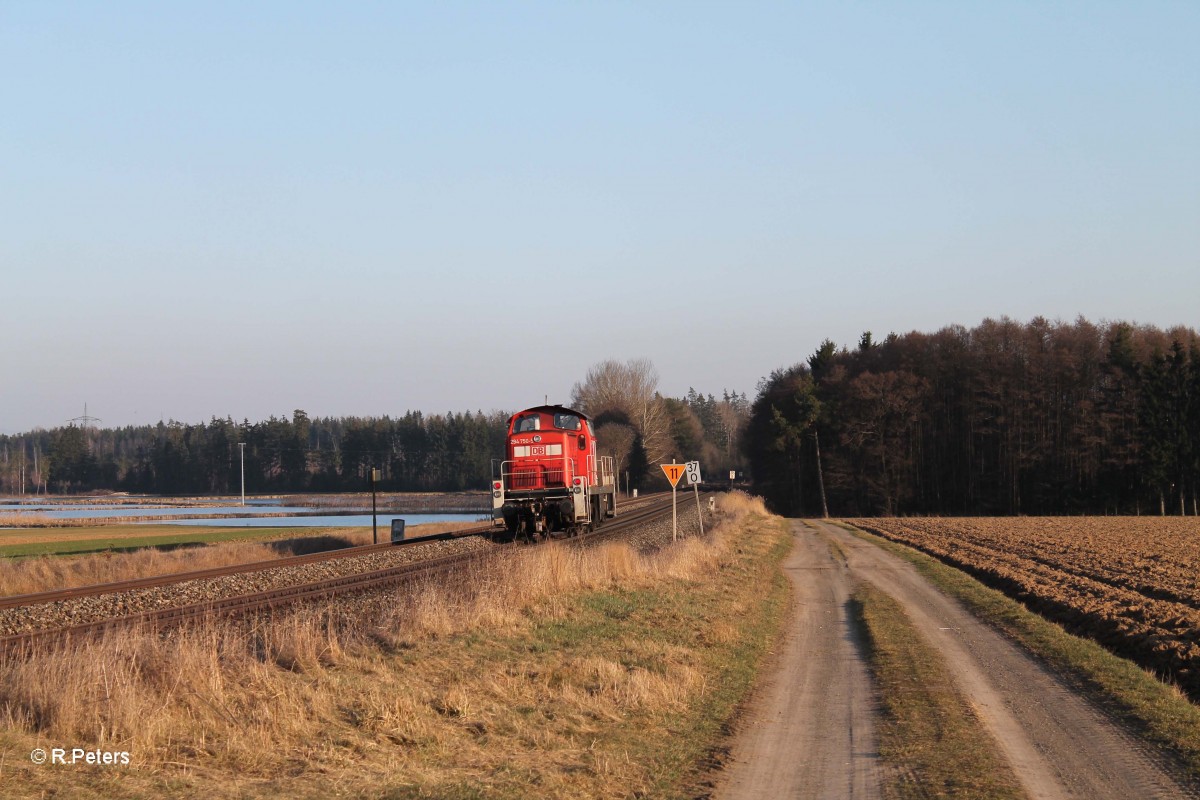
{"x": 627, "y": 392}
{"x": 616, "y": 439}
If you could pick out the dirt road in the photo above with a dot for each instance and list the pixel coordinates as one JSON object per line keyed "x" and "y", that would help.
{"x": 809, "y": 730}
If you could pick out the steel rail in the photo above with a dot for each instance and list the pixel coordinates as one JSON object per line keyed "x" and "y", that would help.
{"x": 241, "y": 605}
{"x": 154, "y": 581}
{"x": 373, "y": 580}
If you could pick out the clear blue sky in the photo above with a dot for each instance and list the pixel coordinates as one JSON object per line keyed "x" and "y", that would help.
{"x": 357, "y": 209}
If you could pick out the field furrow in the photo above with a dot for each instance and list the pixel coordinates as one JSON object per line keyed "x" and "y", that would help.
{"x": 1130, "y": 583}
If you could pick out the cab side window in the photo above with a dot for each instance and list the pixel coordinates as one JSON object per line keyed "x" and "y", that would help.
{"x": 566, "y": 422}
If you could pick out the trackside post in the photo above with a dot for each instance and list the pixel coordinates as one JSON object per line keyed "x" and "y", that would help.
{"x": 374, "y": 522}
{"x": 674, "y": 472}
{"x": 693, "y": 476}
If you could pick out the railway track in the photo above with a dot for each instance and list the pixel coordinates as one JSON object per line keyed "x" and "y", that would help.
{"x": 270, "y": 600}
{"x": 154, "y": 581}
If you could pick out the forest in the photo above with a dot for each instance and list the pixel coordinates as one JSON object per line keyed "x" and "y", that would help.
{"x": 414, "y": 452}
{"x": 1005, "y": 418}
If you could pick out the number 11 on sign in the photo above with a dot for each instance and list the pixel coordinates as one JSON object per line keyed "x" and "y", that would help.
{"x": 674, "y": 472}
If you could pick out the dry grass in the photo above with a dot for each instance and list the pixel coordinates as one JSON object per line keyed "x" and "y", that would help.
{"x": 517, "y": 678}
{"x": 928, "y": 732}
{"x": 500, "y": 593}
{"x": 46, "y": 573}
{"x": 115, "y": 499}
{"x": 404, "y": 501}
{"x": 29, "y": 520}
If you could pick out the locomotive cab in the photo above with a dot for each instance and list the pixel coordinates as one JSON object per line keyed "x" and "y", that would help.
{"x": 551, "y": 481}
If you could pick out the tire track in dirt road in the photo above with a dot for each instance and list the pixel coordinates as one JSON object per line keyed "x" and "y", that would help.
{"x": 809, "y": 731}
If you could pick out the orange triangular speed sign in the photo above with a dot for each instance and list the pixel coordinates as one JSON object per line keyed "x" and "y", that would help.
{"x": 674, "y": 472}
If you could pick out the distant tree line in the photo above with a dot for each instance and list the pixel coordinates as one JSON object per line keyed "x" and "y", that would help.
{"x": 415, "y": 452}
{"x": 1003, "y": 418}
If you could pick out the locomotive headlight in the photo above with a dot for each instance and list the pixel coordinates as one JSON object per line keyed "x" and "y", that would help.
{"x": 578, "y": 490}
{"x": 496, "y": 494}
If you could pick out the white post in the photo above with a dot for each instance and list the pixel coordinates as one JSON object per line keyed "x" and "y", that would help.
{"x": 699, "y": 514}
{"x": 242, "y": 448}
{"x": 674, "y": 517}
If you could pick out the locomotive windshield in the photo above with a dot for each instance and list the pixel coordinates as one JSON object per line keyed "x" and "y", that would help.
{"x": 529, "y": 423}
{"x": 566, "y": 422}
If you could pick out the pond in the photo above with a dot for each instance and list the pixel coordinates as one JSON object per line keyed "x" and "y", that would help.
{"x": 256, "y": 513}
{"x": 101, "y": 512}
{"x": 327, "y": 520}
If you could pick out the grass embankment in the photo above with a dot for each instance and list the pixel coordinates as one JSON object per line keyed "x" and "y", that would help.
{"x": 21, "y": 543}
{"x": 550, "y": 672}
{"x": 927, "y": 733}
{"x": 134, "y": 558}
{"x": 46, "y": 525}
{"x": 1157, "y": 711}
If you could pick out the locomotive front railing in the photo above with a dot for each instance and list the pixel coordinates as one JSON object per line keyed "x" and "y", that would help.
{"x": 525, "y": 476}
{"x": 606, "y": 475}
{"x": 560, "y": 473}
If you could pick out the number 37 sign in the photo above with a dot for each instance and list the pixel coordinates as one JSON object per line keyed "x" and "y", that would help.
{"x": 676, "y": 471}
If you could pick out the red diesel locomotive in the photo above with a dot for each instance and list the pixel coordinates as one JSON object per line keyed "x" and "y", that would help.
{"x": 551, "y": 481}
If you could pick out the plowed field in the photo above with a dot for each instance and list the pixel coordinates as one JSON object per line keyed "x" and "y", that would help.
{"x": 1131, "y": 583}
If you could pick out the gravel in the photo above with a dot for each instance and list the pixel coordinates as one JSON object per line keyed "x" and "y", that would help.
{"x": 63, "y": 613}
